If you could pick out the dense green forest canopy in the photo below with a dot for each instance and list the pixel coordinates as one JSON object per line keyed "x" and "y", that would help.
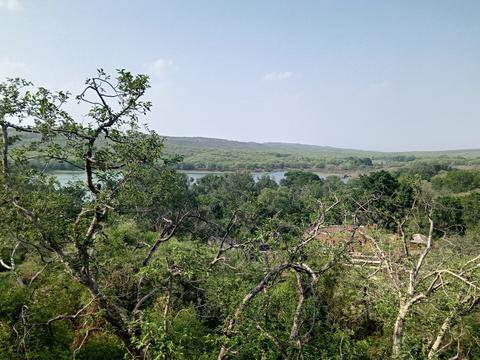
{"x": 137, "y": 262}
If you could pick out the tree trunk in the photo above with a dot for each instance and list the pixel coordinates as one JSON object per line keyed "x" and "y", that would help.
{"x": 116, "y": 316}
{"x": 5, "y": 150}
{"x": 439, "y": 339}
{"x": 400, "y": 322}
{"x": 398, "y": 329}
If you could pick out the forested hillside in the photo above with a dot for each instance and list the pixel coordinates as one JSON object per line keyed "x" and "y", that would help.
{"x": 225, "y": 155}
{"x": 136, "y": 262}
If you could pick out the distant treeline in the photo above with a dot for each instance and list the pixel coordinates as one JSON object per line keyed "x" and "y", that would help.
{"x": 232, "y": 160}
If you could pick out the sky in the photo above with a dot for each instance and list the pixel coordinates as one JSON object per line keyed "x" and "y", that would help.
{"x": 374, "y": 75}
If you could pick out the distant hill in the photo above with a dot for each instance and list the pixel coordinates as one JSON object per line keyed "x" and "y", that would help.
{"x": 200, "y": 153}
{"x": 188, "y": 145}
{"x": 219, "y": 154}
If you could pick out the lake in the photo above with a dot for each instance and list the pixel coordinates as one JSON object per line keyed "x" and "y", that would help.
{"x": 65, "y": 176}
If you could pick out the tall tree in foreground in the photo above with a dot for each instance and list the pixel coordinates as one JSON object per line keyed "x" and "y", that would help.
{"x": 110, "y": 150}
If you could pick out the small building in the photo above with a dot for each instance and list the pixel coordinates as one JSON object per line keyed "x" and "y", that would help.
{"x": 419, "y": 239}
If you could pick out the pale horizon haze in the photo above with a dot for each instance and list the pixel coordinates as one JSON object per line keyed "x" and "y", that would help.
{"x": 370, "y": 75}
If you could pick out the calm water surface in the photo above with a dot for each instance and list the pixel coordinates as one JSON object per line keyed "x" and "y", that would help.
{"x": 64, "y": 177}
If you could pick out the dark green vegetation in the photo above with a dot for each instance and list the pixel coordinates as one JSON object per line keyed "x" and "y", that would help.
{"x": 135, "y": 262}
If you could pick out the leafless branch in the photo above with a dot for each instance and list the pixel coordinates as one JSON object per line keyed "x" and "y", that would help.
{"x": 167, "y": 233}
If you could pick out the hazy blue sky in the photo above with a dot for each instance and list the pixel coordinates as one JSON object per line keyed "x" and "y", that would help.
{"x": 386, "y": 75}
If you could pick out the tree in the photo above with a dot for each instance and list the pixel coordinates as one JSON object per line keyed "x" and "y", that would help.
{"x": 387, "y": 198}
{"x": 419, "y": 277}
{"x": 449, "y": 215}
{"x": 299, "y": 178}
{"x": 72, "y": 234}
